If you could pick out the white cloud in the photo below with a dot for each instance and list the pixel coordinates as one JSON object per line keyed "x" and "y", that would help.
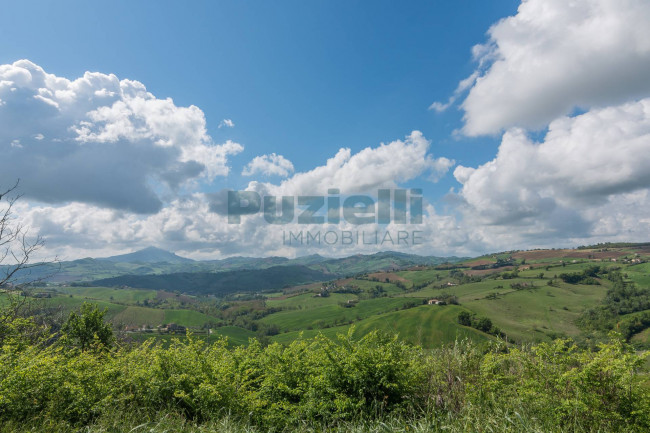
{"x": 438, "y": 167}
{"x": 227, "y": 123}
{"x": 188, "y": 227}
{"x": 269, "y": 165}
{"x": 555, "y": 56}
{"x": 385, "y": 166}
{"x": 465, "y": 84}
{"x": 99, "y": 154}
{"x": 585, "y": 182}
{"x": 189, "y": 224}
{"x": 97, "y": 139}
{"x": 98, "y": 151}
{"x": 570, "y": 185}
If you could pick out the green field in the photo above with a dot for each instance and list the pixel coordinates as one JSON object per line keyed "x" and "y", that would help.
{"x": 367, "y": 285}
{"x": 330, "y": 315}
{"x": 525, "y": 308}
{"x": 236, "y": 336}
{"x": 420, "y": 277}
{"x": 427, "y": 325}
{"x": 127, "y": 296}
{"x": 332, "y": 333}
{"x": 68, "y": 304}
{"x": 139, "y": 316}
{"x": 308, "y": 300}
{"x": 639, "y": 273}
{"x": 642, "y": 339}
{"x": 538, "y": 314}
{"x": 129, "y": 315}
{"x": 187, "y": 318}
{"x": 530, "y": 314}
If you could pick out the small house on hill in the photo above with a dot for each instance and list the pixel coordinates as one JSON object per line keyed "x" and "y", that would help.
{"x": 435, "y": 302}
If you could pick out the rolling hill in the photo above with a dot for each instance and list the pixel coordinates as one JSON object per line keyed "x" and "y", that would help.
{"x": 527, "y": 296}
{"x": 155, "y": 261}
{"x": 221, "y": 283}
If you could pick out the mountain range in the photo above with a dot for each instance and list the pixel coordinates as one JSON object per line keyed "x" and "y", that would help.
{"x": 155, "y": 261}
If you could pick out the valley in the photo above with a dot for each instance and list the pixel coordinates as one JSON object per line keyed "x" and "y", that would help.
{"x": 520, "y": 296}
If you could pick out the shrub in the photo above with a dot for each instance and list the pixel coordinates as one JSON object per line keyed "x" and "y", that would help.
{"x": 87, "y": 329}
{"x": 556, "y": 380}
{"x": 317, "y": 382}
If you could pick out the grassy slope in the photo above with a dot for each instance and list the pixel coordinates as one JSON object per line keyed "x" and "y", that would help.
{"x": 427, "y": 325}
{"x": 110, "y": 294}
{"x": 642, "y": 339}
{"x": 328, "y": 314}
{"x": 71, "y": 303}
{"x": 423, "y": 276}
{"x": 526, "y": 315}
{"x": 307, "y": 300}
{"x": 139, "y": 316}
{"x": 187, "y": 318}
{"x": 530, "y": 314}
{"x": 367, "y": 285}
{"x": 535, "y": 313}
{"x": 130, "y": 315}
{"x": 639, "y": 273}
{"x": 236, "y": 336}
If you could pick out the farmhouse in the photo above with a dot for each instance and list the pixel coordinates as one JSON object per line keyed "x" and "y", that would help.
{"x": 435, "y": 302}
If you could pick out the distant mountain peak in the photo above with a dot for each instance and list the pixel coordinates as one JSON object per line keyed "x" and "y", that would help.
{"x": 149, "y": 255}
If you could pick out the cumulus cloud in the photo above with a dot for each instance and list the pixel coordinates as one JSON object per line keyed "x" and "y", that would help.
{"x": 226, "y": 123}
{"x": 269, "y": 165}
{"x": 187, "y": 227}
{"x": 555, "y": 56}
{"x": 97, "y": 154}
{"x": 194, "y": 225}
{"x": 585, "y": 181}
{"x": 570, "y": 184}
{"x": 385, "y": 166}
{"x": 97, "y": 139}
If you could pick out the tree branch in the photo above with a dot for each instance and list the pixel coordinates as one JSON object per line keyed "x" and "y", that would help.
{"x": 16, "y": 248}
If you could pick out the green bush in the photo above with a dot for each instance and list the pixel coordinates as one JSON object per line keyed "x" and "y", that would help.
{"x": 86, "y": 329}
{"x": 596, "y": 390}
{"x": 320, "y": 382}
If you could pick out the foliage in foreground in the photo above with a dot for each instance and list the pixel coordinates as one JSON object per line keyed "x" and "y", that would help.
{"x": 377, "y": 383}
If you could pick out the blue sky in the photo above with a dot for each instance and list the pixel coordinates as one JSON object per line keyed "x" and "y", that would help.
{"x": 292, "y": 75}
{"x": 305, "y": 79}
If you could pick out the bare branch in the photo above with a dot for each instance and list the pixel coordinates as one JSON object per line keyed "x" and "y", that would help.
{"x": 16, "y": 247}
